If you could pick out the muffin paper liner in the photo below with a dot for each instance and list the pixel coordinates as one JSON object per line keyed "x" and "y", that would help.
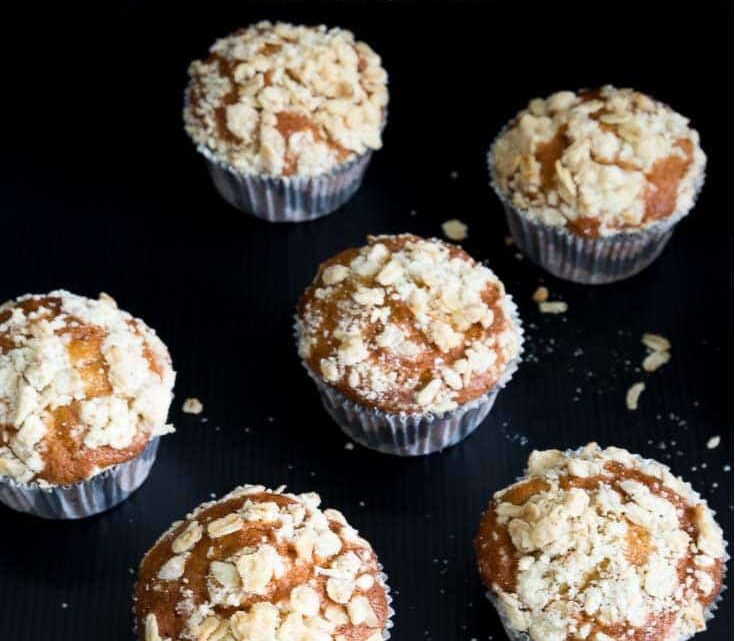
{"x": 414, "y": 434}
{"x": 102, "y": 492}
{"x": 287, "y": 199}
{"x": 591, "y": 261}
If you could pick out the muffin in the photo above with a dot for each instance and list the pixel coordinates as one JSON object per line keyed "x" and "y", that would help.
{"x": 409, "y": 341}
{"x": 84, "y": 393}
{"x": 262, "y": 564}
{"x": 593, "y": 183}
{"x": 600, "y": 545}
{"x": 287, "y": 117}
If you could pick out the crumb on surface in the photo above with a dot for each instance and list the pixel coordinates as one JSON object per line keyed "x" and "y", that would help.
{"x": 192, "y": 406}
{"x": 541, "y": 295}
{"x": 713, "y": 442}
{"x": 454, "y": 229}
{"x": 633, "y": 394}
{"x": 553, "y": 307}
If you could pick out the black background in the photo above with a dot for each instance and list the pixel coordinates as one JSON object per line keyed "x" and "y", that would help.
{"x": 101, "y": 190}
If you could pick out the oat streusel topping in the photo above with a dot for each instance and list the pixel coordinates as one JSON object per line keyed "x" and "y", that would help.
{"x": 599, "y": 162}
{"x": 407, "y": 325}
{"x": 601, "y": 545}
{"x": 83, "y": 386}
{"x": 261, "y": 564}
{"x": 282, "y": 100}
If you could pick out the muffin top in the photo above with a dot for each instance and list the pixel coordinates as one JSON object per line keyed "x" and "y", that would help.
{"x": 407, "y": 325}
{"x": 83, "y": 386}
{"x": 601, "y": 545}
{"x": 284, "y": 100}
{"x": 599, "y": 162}
{"x": 261, "y": 564}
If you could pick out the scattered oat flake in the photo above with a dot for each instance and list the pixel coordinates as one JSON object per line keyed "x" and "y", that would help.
{"x": 192, "y": 406}
{"x": 454, "y": 229}
{"x": 656, "y": 343}
{"x": 655, "y": 360}
{"x": 541, "y": 295}
{"x": 553, "y": 307}
{"x": 634, "y": 393}
{"x": 713, "y": 442}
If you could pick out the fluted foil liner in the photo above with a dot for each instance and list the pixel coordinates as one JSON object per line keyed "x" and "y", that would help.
{"x": 414, "y": 434}
{"x": 287, "y": 199}
{"x": 591, "y": 261}
{"x": 78, "y": 500}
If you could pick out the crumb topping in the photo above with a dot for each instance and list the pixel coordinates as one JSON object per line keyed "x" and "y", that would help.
{"x": 261, "y": 564}
{"x": 601, "y": 545}
{"x": 283, "y": 100}
{"x": 599, "y": 162}
{"x": 407, "y": 325}
{"x": 83, "y": 386}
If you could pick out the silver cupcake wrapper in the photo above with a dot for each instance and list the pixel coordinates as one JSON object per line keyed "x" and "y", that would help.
{"x": 591, "y": 261}
{"x": 287, "y": 199}
{"x": 97, "y": 494}
{"x": 414, "y": 434}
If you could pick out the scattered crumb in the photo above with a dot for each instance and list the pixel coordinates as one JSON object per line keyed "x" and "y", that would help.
{"x": 192, "y": 406}
{"x": 553, "y": 307}
{"x": 656, "y": 343}
{"x": 713, "y": 442}
{"x": 412, "y": 212}
{"x": 64, "y": 606}
{"x": 658, "y": 351}
{"x": 726, "y": 468}
{"x": 655, "y": 360}
{"x": 634, "y": 393}
{"x": 518, "y": 256}
{"x": 454, "y": 175}
{"x": 508, "y": 240}
{"x": 454, "y": 229}
{"x": 349, "y": 445}
{"x": 541, "y": 295}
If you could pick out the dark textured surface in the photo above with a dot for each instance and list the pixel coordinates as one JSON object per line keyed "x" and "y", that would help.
{"x": 100, "y": 190}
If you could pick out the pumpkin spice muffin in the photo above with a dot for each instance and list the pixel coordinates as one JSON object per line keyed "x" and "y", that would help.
{"x": 262, "y": 564}
{"x": 84, "y": 393}
{"x": 600, "y": 545}
{"x": 593, "y": 182}
{"x": 287, "y": 117}
{"x": 409, "y": 341}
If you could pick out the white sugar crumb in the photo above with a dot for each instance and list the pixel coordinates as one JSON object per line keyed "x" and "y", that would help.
{"x": 634, "y": 393}
{"x": 713, "y": 442}
{"x": 553, "y": 307}
{"x": 541, "y": 295}
{"x": 192, "y": 406}
{"x": 349, "y": 446}
{"x": 454, "y": 229}
{"x": 658, "y": 351}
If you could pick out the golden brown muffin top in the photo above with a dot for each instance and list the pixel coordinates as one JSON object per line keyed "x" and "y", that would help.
{"x": 261, "y": 564}
{"x": 407, "y": 325}
{"x": 83, "y": 386}
{"x": 599, "y": 162}
{"x": 283, "y": 100}
{"x": 601, "y": 545}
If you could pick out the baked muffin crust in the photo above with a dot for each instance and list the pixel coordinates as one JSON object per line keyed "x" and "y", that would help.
{"x": 599, "y": 162}
{"x": 83, "y": 386}
{"x": 261, "y": 564}
{"x": 283, "y": 100}
{"x": 601, "y": 545}
{"x": 407, "y": 325}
